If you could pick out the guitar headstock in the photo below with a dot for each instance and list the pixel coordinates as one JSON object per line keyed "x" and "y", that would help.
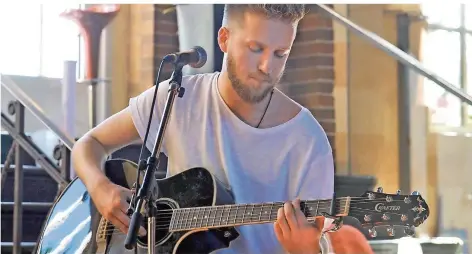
{"x": 378, "y": 209}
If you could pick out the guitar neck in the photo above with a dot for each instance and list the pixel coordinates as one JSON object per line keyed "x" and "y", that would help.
{"x": 185, "y": 219}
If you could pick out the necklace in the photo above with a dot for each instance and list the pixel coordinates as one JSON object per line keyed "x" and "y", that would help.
{"x": 268, "y": 103}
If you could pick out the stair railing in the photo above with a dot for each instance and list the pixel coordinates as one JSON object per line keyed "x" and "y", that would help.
{"x": 405, "y": 62}
{"x": 396, "y": 53}
{"x": 60, "y": 173}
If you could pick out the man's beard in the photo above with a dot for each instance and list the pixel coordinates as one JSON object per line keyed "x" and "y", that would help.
{"x": 246, "y": 93}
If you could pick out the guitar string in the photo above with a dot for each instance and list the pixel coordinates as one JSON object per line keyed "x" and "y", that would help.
{"x": 164, "y": 226}
{"x": 344, "y": 198}
{"x": 340, "y": 200}
{"x": 244, "y": 215}
{"x": 166, "y": 221}
{"x": 237, "y": 206}
{"x": 168, "y": 215}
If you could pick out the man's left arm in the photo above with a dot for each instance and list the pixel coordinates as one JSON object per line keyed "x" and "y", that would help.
{"x": 293, "y": 230}
{"x": 318, "y": 183}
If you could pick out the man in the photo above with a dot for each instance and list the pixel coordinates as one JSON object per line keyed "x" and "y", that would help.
{"x": 263, "y": 145}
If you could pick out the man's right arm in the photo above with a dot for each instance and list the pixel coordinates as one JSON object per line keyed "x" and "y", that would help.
{"x": 90, "y": 152}
{"x": 123, "y": 128}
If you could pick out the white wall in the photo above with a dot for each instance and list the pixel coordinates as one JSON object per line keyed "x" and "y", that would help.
{"x": 47, "y": 93}
{"x": 454, "y": 174}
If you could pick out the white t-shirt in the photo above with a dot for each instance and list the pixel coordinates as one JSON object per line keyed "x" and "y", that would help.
{"x": 280, "y": 163}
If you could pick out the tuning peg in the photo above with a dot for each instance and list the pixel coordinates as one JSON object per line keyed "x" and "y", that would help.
{"x": 385, "y": 217}
{"x": 380, "y": 190}
{"x": 399, "y": 192}
{"x": 371, "y": 196}
{"x": 410, "y": 230}
{"x": 415, "y": 193}
{"x": 391, "y": 231}
{"x": 404, "y": 217}
{"x": 372, "y": 232}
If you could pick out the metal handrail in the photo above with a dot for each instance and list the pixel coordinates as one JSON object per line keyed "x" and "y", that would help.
{"x": 397, "y": 53}
{"x": 33, "y": 150}
{"x": 34, "y": 108}
{"x": 17, "y": 131}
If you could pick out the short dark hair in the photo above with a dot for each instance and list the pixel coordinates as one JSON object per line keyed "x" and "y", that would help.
{"x": 286, "y": 12}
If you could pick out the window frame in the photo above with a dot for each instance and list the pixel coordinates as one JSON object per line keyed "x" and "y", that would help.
{"x": 40, "y": 58}
{"x": 465, "y": 81}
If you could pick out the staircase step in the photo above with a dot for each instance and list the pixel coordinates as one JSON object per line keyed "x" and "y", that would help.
{"x": 38, "y": 186}
{"x": 26, "y": 247}
{"x": 6, "y": 143}
{"x": 27, "y": 206}
{"x": 34, "y": 215}
{"x": 32, "y": 169}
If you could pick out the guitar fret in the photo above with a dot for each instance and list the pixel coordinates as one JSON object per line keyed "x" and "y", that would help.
{"x": 238, "y": 214}
{"x": 204, "y": 217}
{"x": 180, "y": 223}
{"x": 221, "y": 217}
{"x": 201, "y": 217}
{"x": 235, "y": 214}
{"x": 196, "y": 217}
{"x": 190, "y": 213}
{"x": 227, "y": 210}
{"x": 183, "y": 217}
{"x": 188, "y": 218}
{"x": 244, "y": 213}
{"x": 260, "y": 213}
{"x": 193, "y": 222}
{"x": 264, "y": 213}
{"x": 192, "y": 217}
{"x": 176, "y": 221}
{"x": 207, "y": 215}
{"x": 213, "y": 214}
{"x": 173, "y": 219}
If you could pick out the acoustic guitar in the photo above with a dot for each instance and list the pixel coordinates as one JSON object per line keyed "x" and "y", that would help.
{"x": 197, "y": 214}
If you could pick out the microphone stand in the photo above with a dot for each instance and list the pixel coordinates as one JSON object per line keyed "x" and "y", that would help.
{"x": 148, "y": 192}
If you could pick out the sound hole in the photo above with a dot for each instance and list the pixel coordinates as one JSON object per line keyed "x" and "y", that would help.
{"x": 164, "y": 215}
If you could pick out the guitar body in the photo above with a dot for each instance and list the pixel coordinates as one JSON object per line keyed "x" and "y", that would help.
{"x": 74, "y": 225}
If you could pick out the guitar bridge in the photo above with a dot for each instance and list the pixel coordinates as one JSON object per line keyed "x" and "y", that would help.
{"x": 102, "y": 230}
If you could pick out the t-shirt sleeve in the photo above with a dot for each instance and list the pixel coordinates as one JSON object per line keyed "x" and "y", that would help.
{"x": 319, "y": 179}
{"x": 140, "y": 107}
{"x": 318, "y": 176}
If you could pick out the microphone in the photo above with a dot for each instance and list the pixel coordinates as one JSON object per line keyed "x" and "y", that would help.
{"x": 195, "y": 58}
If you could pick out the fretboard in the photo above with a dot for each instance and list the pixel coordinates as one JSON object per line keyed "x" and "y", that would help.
{"x": 242, "y": 214}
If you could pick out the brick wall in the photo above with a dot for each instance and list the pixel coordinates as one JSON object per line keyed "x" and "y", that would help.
{"x": 165, "y": 37}
{"x": 138, "y": 25}
{"x": 309, "y": 76}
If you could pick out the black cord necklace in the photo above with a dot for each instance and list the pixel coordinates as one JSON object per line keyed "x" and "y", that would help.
{"x": 268, "y": 103}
